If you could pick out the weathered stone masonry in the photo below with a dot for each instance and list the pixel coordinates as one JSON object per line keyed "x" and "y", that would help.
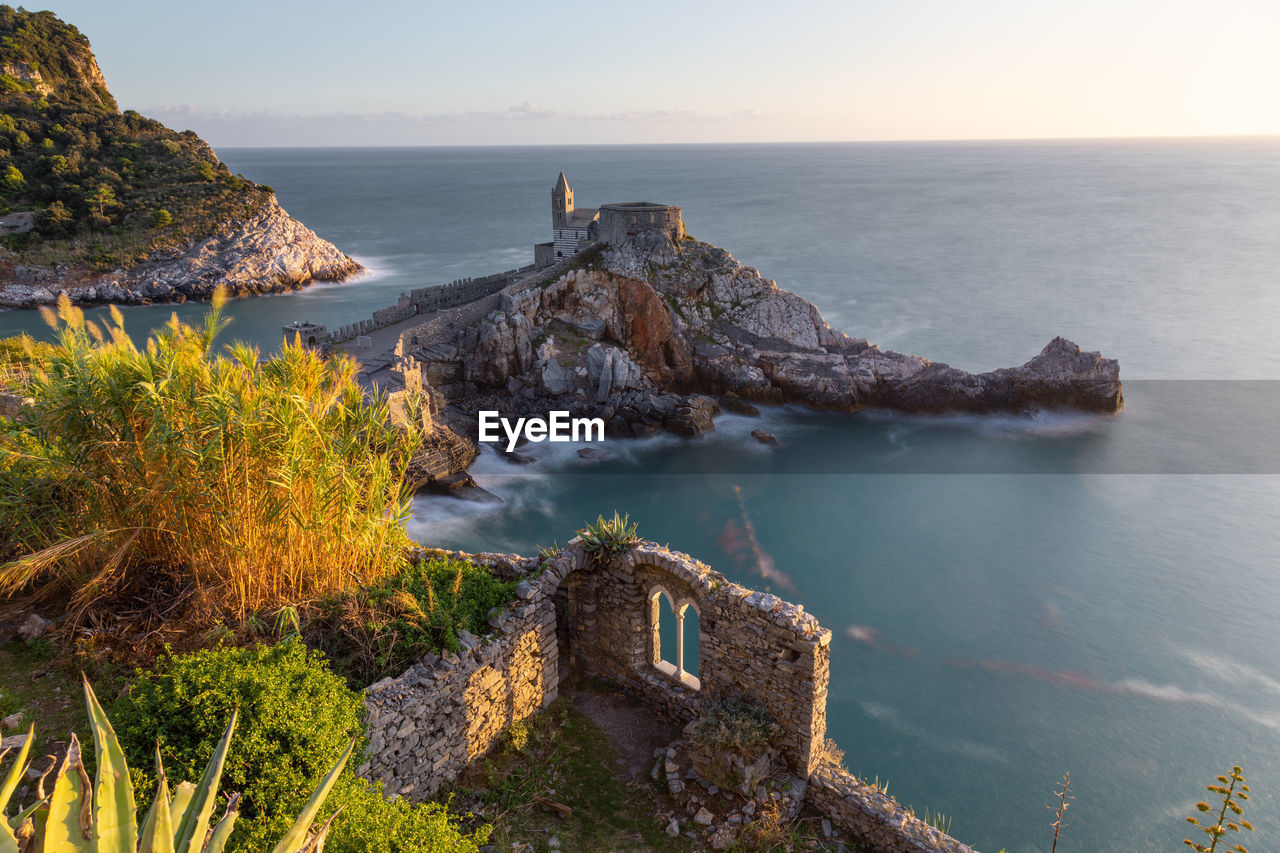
{"x": 428, "y": 724}
{"x": 576, "y": 613}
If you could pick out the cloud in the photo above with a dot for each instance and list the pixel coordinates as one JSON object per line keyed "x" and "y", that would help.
{"x": 527, "y": 122}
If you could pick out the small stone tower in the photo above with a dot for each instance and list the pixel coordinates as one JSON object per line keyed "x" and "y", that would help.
{"x": 561, "y": 203}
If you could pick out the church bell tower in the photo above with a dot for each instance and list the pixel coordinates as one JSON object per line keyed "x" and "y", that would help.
{"x": 561, "y": 203}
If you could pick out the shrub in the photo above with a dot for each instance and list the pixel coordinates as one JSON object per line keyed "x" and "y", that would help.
{"x": 105, "y": 812}
{"x": 736, "y": 726}
{"x": 12, "y": 179}
{"x": 254, "y": 482}
{"x": 162, "y": 218}
{"x": 372, "y": 824}
{"x": 382, "y": 629}
{"x": 295, "y": 716}
{"x": 55, "y": 217}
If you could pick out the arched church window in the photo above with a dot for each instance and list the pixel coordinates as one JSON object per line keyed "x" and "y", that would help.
{"x": 674, "y": 629}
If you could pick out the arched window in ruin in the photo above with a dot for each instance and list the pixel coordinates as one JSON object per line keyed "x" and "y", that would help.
{"x": 675, "y": 639}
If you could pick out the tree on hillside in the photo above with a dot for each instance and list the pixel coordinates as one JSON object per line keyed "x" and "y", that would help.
{"x": 56, "y": 217}
{"x": 13, "y": 181}
{"x": 102, "y": 198}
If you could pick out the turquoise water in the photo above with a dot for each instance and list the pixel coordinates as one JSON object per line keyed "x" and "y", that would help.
{"x": 1011, "y": 598}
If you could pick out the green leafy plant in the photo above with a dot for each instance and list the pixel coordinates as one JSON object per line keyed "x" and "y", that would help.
{"x": 518, "y": 736}
{"x": 294, "y": 714}
{"x": 76, "y": 817}
{"x": 1233, "y": 791}
{"x": 611, "y": 536}
{"x": 937, "y": 820}
{"x": 381, "y": 629}
{"x": 288, "y": 622}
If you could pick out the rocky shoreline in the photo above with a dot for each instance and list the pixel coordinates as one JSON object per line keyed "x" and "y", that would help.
{"x": 266, "y": 251}
{"x": 660, "y": 335}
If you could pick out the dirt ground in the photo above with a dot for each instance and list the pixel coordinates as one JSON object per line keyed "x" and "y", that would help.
{"x": 631, "y": 726}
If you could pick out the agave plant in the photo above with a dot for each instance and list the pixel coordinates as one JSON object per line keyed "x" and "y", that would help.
{"x": 609, "y": 535}
{"x": 75, "y": 817}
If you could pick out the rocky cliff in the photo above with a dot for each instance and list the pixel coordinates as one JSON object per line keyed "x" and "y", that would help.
{"x": 265, "y": 250}
{"x": 646, "y": 335}
{"x": 116, "y": 207}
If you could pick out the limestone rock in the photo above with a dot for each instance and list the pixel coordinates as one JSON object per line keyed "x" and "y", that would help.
{"x": 12, "y": 742}
{"x": 723, "y": 838}
{"x": 652, "y": 326}
{"x": 734, "y": 404}
{"x": 264, "y": 251}
{"x": 33, "y": 627}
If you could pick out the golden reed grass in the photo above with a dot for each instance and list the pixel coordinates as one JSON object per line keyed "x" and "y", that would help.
{"x": 257, "y": 481}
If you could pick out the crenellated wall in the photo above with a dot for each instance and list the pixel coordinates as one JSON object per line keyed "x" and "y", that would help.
{"x": 425, "y": 299}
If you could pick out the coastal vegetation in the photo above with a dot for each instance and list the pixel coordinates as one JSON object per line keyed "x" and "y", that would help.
{"x": 606, "y": 536}
{"x": 380, "y": 629}
{"x": 230, "y": 503}
{"x": 107, "y": 188}
{"x": 238, "y": 481}
{"x": 249, "y": 508}
{"x": 295, "y": 714}
{"x": 78, "y": 815}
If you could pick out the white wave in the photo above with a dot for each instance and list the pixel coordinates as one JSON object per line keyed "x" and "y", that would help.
{"x": 374, "y": 268}
{"x": 1040, "y": 424}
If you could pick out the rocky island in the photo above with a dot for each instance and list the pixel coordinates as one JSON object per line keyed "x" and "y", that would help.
{"x": 649, "y": 329}
{"x": 111, "y": 207}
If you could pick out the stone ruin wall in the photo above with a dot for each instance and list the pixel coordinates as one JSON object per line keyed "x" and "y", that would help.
{"x": 425, "y": 338}
{"x": 753, "y": 645}
{"x": 445, "y": 711}
{"x": 576, "y": 614}
{"x": 872, "y": 815}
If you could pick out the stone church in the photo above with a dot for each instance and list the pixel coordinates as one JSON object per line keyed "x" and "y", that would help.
{"x": 575, "y": 228}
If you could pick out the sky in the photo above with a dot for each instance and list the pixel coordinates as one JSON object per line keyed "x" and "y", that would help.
{"x": 396, "y": 72}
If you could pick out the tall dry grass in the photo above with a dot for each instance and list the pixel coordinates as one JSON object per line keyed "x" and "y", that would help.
{"x": 256, "y": 481}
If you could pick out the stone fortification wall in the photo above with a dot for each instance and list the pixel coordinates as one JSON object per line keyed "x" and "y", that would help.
{"x": 878, "y": 819}
{"x": 428, "y": 336}
{"x": 425, "y": 299}
{"x": 579, "y": 612}
{"x": 620, "y": 222}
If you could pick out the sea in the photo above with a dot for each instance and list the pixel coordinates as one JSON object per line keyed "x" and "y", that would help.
{"x": 1012, "y": 597}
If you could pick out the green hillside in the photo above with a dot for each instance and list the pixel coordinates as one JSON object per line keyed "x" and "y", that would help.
{"x": 107, "y": 188}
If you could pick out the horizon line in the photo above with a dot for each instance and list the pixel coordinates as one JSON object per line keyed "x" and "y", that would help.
{"x": 894, "y": 141}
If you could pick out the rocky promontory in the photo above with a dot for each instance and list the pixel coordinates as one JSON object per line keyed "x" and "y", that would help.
{"x": 265, "y": 250}
{"x": 652, "y": 335}
{"x": 110, "y": 206}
